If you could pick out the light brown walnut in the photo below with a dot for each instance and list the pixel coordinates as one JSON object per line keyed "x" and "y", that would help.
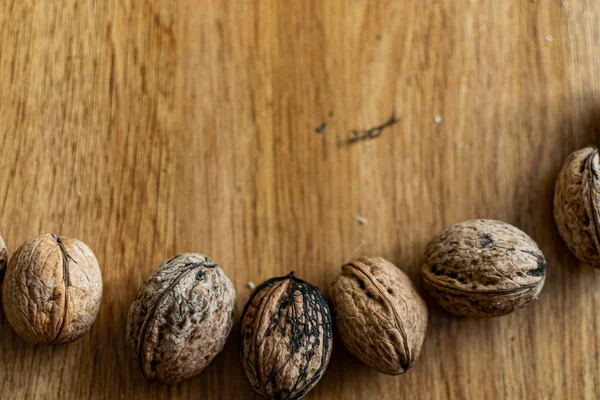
{"x": 287, "y": 338}
{"x": 379, "y": 315}
{"x": 52, "y": 289}
{"x": 181, "y": 318}
{"x": 483, "y": 268}
{"x": 577, "y": 204}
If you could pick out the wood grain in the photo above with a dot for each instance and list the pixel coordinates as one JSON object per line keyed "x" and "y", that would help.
{"x": 150, "y": 128}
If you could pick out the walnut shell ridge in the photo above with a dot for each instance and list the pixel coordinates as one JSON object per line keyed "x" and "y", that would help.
{"x": 181, "y": 318}
{"x": 483, "y": 268}
{"x": 52, "y": 289}
{"x": 286, "y": 338}
{"x": 577, "y": 204}
{"x": 379, "y": 315}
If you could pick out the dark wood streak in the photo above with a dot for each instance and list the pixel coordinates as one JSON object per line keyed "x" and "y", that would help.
{"x": 374, "y": 132}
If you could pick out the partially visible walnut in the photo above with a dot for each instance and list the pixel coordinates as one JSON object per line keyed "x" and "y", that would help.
{"x": 181, "y": 318}
{"x": 577, "y": 204}
{"x": 379, "y": 314}
{"x": 52, "y": 289}
{"x": 287, "y": 337}
{"x": 3, "y": 260}
{"x": 483, "y": 268}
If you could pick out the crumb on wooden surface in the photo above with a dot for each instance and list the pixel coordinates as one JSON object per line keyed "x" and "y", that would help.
{"x": 548, "y": 38}
{"x": 251, "y": 285}
{"x": 361, "y": 220}
{"x": 437, "y": 119}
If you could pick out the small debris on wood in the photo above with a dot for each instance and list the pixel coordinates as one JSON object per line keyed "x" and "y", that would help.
{"x": 437, "y": 119}
{"x": 361, "y": 220}
{"x": 374, "y": 132}
{"x": 378, "y": 37}
{"x": 251, "y": 285}
{"x": 321, "y": 127}
{"x": 79, "y": 194}
{"x": 362, "y": 242}
{"x": 548, "y": 38}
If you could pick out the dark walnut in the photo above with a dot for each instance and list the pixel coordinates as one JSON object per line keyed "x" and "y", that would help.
{"x": 286, "y": 338}
{"x": 180, "y": 318}
{"x": 379, "y": 314}
{"x": 3, "y": 260}
{"x": 483, "y": 268}
{"x": 577, "y": 204}
{"x": 52, "y": 289}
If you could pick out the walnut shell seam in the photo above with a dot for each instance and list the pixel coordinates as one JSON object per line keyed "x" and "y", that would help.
{"x": 397, "y": 320}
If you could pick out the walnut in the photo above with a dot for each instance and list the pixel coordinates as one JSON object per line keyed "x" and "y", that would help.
{"x": 287, "y": 337}
{"x": 180, "y": 318}
{"x": 483, "y": 268}
{"x": 52, "y": 289}
{"x": 577, "y": 204}
{"x": 3, "y": 260}
{"x": 379, "y": 314}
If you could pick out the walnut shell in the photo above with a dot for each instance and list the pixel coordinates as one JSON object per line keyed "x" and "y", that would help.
{"x": 3, "y": 260}
{"x": 379, "y": 314}
{"x": 577, "y": 204}
{"x": 181, "y": 318}
{"x": 483, "y": 268}
{"x": 52, "y": 289}
{"x": 287, "y": 338}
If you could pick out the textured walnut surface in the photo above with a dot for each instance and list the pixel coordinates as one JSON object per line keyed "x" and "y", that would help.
{"x": 286, "y": 337}
{"x": 52, "y": 289}
{"x": 379, "y": 314}
{"x": 181, "y": 318}
{"x": 577, "y": 204}
{"x": 483, "y": 268}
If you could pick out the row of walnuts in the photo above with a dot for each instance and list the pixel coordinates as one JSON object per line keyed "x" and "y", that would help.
{"x": 184, "y": 311}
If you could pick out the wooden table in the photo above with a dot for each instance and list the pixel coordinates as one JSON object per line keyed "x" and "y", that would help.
{"x": 147, "y": 129}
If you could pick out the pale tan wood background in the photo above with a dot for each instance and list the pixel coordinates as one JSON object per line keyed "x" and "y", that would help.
{"x": 147, "y": 129}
